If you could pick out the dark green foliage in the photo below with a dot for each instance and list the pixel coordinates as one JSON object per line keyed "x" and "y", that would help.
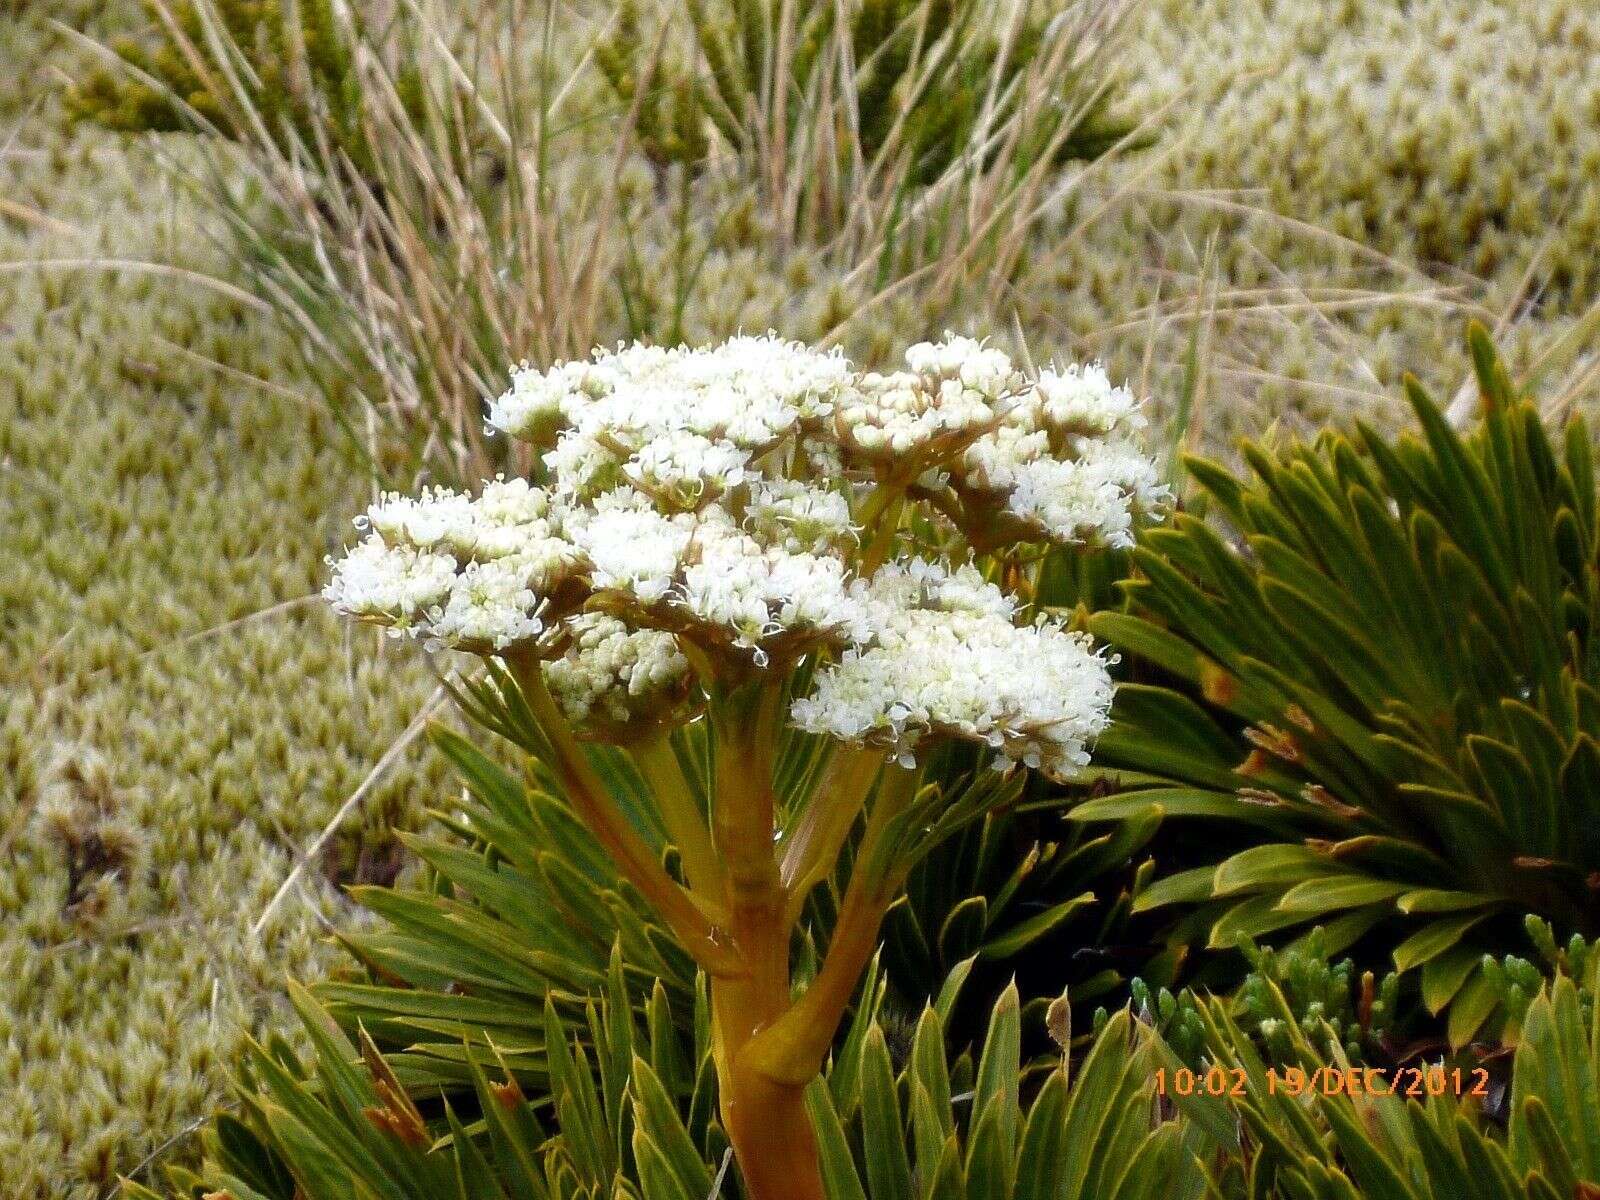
{"x": 1025, "y": 894}
{"x": 1518, "y": 980}
{"x": 1331, "y": 1004}
{"x": 1348, "y": 1008}
{"x": 1327, "y": 1140}
{"x": 627, "y": 1112}
{"x": 1385, "y": 686}
{"x": 1350, "y": 1140}
{"x": 636, "y": 1117}
{"x": 1341, "y": 1010}
{"x": 522, "y": 908}
{"x": 923, "y": 72}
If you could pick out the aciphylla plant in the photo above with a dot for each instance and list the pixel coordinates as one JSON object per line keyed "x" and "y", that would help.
{"x": 637, "y": 1120}
{"x": 1388, "y": 683}
{"x": 774, "y": 588}
{"x": 1030, "y": 897}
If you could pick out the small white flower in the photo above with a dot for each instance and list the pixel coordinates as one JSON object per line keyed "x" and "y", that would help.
{"x": 612, "y": 676}
{"x": 1091, "y": 498}
{"x": 633, "y": 548}
{"x": 898, "y": 417}
{"x": 1060, "y": 462}
{"x": 683, "y": 471}
{"x": 438, "y": 516}
{"x": 918, "y": 584}
{"x": 796, "y": 517}
{"x": 455, "y": 570}
{"x": 757, "y": 595}
{"x": 490, "y": 604}
{"x": 389, "y": 584}
{"x": 977, "y": 368}
{"x": 1082, "y": 400}
{"x": 539, "y": 404}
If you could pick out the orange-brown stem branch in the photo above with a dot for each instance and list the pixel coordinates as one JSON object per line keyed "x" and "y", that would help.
{"x": 592, "y": 803}
{"x": 791, "y": 1049}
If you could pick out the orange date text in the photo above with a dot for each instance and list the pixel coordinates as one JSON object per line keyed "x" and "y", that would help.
{"x": 1412, "y": 1082}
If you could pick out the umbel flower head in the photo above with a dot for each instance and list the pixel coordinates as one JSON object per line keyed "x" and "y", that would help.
{"x": 706, "y": 515}
{"x": 946, "y": 658}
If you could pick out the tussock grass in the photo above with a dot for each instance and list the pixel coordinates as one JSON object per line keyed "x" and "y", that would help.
{"x": 490, "y": 217}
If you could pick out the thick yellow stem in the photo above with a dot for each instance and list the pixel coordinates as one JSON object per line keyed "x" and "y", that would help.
{"x": 743, "y": 808}
{"x": 772, "y": 1138}
{"x": 791, "y": 1049}
{"x": 766, "y": 1120}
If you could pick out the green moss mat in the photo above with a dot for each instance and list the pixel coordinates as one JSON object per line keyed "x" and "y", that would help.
{"x": 156, "y": 781}
{"x": 1460, "y": 139}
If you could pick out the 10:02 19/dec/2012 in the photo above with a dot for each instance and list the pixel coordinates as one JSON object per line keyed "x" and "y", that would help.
{"x": 1414, "y": 1082}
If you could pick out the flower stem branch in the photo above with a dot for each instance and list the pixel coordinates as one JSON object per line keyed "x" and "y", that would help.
{"x": 744, "y": 723}
{"x": 882, "y": 517}
{"x": 812, "y": 846}
{"x": 685, "y": 823}
{"x": 594, "y": 806}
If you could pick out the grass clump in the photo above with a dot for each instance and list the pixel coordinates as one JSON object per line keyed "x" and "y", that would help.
{"x": 1453, "y": 135}
{"x": 929, "y": 82}
{"x": 504, "y": 207}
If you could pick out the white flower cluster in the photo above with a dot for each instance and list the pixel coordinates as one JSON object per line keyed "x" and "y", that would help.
{"x": 799, "y": 518}
{"x": 746, "y": 394}
{"x": 716, "y": 496}
{"x": 952, "y": 390}
{"x": 1063, "y": 464}
{"x": 612, "y": 677}
{"x": 472, "y": 572}
{"x": 947, "y": 660}
{"x": 704, "y": 569}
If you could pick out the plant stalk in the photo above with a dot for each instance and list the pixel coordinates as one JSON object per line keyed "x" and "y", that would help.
{"x": 791, "y": 1049}
{"x": 765, "y": 1118}
{"x": 633, "y": 858}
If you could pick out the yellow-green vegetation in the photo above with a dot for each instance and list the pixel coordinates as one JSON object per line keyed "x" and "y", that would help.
{"x": 166, "y": 468}
{"x": 297, "y": 81}
{"x": 160, "y": 476}
{"x": 1452, "y": 143}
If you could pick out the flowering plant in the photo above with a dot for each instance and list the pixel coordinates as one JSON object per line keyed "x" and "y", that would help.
{"x": 751, "y": 536}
